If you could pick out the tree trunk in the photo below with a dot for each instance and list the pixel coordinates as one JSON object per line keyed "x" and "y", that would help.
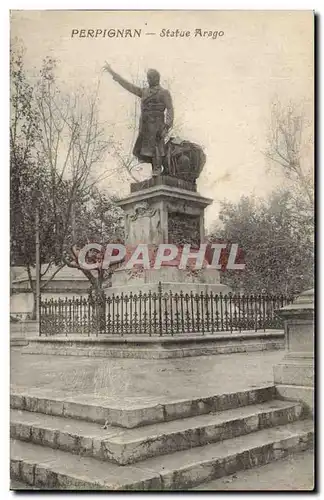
{"x": 73, "y": 225}
{"x": 97, "y": 299}
{"x": 101, "y": 315}
{"x": 33, "y": 314}
{"x": 33, "y": 290}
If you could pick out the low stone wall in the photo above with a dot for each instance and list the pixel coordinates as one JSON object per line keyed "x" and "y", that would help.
{"x": 156, "y": 347}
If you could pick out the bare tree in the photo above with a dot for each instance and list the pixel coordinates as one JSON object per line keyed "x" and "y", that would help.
{"x": 72, "y": 143}
{"x": 56, "y": 146}
{"x": 27, "y": 175}
{"x": 285, "y": 144}
{"x": 288, "y": 136}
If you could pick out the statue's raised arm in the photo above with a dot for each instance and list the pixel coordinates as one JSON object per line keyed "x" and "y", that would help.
{"x": 134, "y": 89}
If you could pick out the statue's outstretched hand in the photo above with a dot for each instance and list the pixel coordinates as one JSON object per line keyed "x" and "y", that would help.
{"x": 166, "y": 130}
{"x": 108, "y": 68}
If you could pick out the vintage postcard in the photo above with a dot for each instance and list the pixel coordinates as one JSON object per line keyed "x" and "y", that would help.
{"x": 162, "y": 250}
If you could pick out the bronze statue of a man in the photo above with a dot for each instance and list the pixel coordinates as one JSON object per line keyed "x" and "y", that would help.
{"x": 156, "y": 118}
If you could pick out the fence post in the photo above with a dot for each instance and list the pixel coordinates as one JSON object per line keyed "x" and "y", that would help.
{"x": 160, "y": 308}
{"x": 40, "y": 318}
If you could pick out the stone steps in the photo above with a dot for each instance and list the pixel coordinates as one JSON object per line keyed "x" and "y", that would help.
{"x": 150, "y": 445}
{"x": 130, "y": 414}
{"x": 132, "y": 445}
{"x": 48, "y": 468}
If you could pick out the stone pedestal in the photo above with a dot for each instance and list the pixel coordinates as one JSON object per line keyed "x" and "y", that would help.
{"x": 294, "y": 375}
{"x": 165, "y": 212}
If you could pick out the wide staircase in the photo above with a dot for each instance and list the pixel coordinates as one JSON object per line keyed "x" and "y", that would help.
{"x": 66, "y": 445}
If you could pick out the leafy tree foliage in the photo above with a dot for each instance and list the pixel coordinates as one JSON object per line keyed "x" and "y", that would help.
{"x": 277, "y": 243}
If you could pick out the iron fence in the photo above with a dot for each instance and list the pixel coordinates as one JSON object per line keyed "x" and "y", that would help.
{"x": 161, "y": 313}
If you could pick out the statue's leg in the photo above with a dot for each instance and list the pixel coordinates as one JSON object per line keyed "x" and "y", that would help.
{"x": 156, "y": 163}
{"x": 156, "y": 166}
{"x": 158, "y": 150}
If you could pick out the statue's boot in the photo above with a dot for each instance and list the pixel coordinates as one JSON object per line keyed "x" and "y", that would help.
{"x": 156, "y": 166}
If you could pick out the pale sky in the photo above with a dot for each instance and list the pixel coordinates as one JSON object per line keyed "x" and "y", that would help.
{"x": 222, "y": 89}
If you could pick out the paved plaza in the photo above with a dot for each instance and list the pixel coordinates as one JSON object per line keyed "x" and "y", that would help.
{"x": 140, "y": 380}
{"x": 290, "y": 474}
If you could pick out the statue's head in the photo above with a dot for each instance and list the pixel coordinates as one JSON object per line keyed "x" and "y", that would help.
{"x": 153, "y": 77}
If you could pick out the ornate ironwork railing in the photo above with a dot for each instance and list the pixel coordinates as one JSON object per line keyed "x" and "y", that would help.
{"x": 161, "y": 313}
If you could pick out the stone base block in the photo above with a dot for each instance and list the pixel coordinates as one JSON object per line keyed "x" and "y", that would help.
{"x": 175, "y": 287}
{"x": 295, "y": 372}
{"x": 294, "y": 378}
{"x": 298, "y": 393}
{"x": 141, "y": 347}
{"x": 165, "y": 275}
